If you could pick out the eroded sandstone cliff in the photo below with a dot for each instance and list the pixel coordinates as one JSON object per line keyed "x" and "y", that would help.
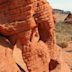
{"x": 29, "y": 24}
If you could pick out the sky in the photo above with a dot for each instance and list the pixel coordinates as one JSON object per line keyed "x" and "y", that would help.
{"x": 61, "y": 4}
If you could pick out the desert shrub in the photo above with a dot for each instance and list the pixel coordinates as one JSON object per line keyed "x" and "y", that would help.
{"x": 63, "y": 34}
{"x": 63, "y": 44}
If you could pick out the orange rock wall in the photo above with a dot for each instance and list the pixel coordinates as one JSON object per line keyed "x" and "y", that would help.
{"x": 31, "y": 23}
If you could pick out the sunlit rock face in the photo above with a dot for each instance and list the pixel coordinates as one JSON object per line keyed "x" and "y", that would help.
{"x": 7, "y": 63}
{"x": 29, "y": 24}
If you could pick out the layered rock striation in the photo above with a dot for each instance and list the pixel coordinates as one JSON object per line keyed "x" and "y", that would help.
{"x": 29, "y": 24}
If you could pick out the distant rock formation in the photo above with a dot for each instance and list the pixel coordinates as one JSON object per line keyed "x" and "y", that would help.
{"x": 68, "y": 19}
{"x": 61, "y": 15}
{"x": 61, "y": 11}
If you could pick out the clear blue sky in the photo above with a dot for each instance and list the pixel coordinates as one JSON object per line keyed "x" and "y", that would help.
{"x": 61, "y": 4}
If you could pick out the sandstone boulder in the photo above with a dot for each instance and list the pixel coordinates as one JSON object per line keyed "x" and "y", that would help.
{"x": 36, "y": 57}
{"x": 61, "y": 66}
{"x": 7, "y": 63}
{"x": 17, "y": 20}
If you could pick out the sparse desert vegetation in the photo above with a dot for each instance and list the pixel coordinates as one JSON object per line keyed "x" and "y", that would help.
{"x": 63, "y": 34}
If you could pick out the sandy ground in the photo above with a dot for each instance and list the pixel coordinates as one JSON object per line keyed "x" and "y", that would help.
{"x": 69, "y": 48}
{"x": 68, "y": 54}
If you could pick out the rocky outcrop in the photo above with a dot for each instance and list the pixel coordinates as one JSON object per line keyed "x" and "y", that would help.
{"x": 36, "y": 57}
{"x": 7, "y": 63}
{"x": 30, "y": 26}
{"x": 61, "y": 65}
{"x": 68, "y": 19}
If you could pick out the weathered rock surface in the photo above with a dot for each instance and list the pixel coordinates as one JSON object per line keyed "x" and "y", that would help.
{"x": 7, "y": 63}
{"x": 17, "y": 55}
{"x": 29, "y": 25}
{"x": 61, "y": 66}
{"x": 36, "y": 56}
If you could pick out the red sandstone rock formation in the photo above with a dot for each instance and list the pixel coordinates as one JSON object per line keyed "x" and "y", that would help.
{"x": 61, "y": 65}
{"x": 7, "y": 63}
{"x": 20, "y": 21}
